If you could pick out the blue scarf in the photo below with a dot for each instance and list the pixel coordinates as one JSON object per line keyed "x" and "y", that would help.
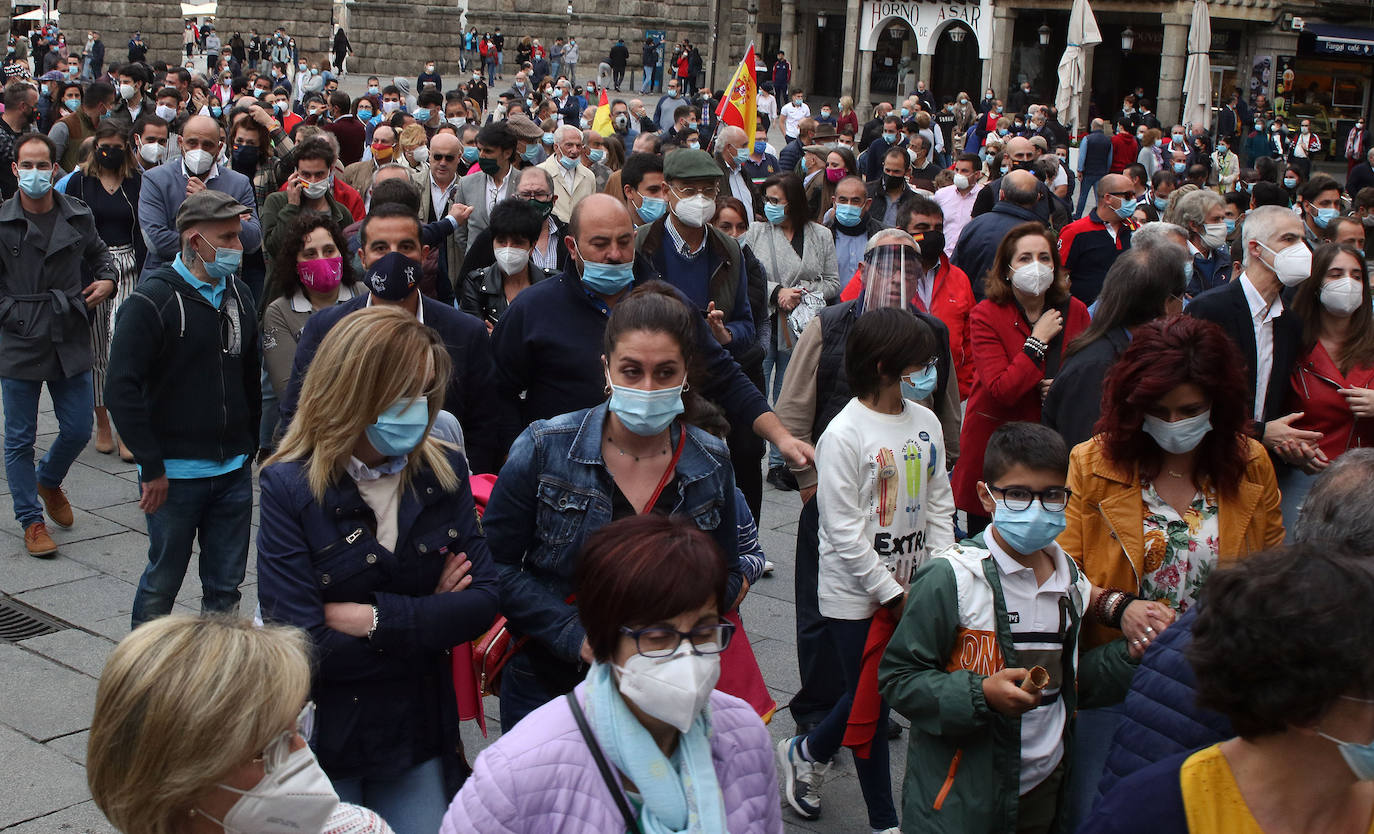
{"x": 680, "y": 794}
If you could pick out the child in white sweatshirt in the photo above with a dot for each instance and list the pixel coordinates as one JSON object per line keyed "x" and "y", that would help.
{"x": 885, "y": 502}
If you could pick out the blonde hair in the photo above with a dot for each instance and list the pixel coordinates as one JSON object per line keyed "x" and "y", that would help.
{"x": 183, "y": 701}
{"x": 369, "y": 360}
{"x": 412, "y": 136}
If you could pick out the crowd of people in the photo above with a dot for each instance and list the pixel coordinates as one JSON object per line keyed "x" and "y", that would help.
{"x": 1078, "y": 445}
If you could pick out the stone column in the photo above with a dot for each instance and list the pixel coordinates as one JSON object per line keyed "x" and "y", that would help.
{"x": 788, "y": 40}
{"x": 999, "y": 67}
{"x": 1173, "y": 63}
{"x": 848, "y": 76}
{"x": 863, "y": 102}
{"x": 923, "y": 64}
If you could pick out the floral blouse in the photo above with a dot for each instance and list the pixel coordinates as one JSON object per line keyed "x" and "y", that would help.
{"x": 1180, "y": 553}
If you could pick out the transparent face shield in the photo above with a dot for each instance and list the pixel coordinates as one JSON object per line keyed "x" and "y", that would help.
{"x": 890, "y": 275}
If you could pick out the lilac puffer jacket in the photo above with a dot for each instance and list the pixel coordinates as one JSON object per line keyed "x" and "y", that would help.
{"x": 540, "y": 777}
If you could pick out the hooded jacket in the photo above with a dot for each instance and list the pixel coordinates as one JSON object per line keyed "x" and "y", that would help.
{"x": 185, "y": 379}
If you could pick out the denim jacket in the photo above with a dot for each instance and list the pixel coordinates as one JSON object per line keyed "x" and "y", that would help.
{"x": 554, "y": 491}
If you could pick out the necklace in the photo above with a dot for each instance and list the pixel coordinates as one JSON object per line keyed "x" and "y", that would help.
{"x": 1173, "y": 474}
{"x": 637, "y": 458}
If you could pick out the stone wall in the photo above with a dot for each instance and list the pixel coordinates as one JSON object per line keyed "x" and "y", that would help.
{"x": 391, "y": 38}
{"x": 160, "y": 21}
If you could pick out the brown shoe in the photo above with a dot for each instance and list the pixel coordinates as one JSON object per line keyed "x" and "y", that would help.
{"x": 39, "y": 543}
{"x": 58, "y": 507}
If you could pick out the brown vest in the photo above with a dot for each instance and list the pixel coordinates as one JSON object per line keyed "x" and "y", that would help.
{"x": 78, "y": 128}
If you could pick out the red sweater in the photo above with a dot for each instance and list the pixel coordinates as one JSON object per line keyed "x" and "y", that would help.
{"x": 1124, "y": 151}
{"x": 1005, "y": 385}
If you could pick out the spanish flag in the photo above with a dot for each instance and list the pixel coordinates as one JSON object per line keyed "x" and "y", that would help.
{"x": 739, "y": 107}
{"x": 601, "y": 122}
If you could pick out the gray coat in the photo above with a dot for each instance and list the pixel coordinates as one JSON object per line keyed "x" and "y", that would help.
{"x": 44, "y": 321}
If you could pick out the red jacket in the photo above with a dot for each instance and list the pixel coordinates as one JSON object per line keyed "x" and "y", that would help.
{"x": 1313, "y": 391}
{"x": 951, "y": 301}
{"x": 1005, "y": 387}
{"x": 1124, "y": 151}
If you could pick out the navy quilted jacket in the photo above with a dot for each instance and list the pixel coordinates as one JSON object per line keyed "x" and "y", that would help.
{"x": 1162, "y": 717}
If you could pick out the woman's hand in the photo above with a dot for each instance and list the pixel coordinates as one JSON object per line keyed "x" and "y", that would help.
{"x": 789, "y": 298}
{"x": 1004, "y": 694}
{"x": 716, "y": 319}
{"x": 1142, "y": 622}
{"x": 351, "y": 618}
{"x": 1360, "y": 400}
{"x": 1049, "y": 324}
{"x": 743, "y": 592}
{"x": 455, "y": 575}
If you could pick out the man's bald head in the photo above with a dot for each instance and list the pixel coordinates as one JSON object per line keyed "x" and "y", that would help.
{"x": 1020, "y": 149}
{"x": 600, "y": 231}
{"x": 1021, "y": 188}
{"x": 201, "y": 133}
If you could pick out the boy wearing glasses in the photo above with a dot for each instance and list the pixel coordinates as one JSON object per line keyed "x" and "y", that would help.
{"x": 987, "y": 667}
{"x": 884, "y": 501}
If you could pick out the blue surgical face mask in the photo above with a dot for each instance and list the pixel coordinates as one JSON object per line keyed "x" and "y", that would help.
{"x": 1006, "y": 170}
{"x": 364, "y": 113}
{"x": 890, "y": 138}
{"x": 421, "y": 115}
{"x": 760, "y": 148}
{"x": 775, "y": 213}
{"x": 1358, "y": 757}
{"x": 742, "y": 155}
{"x": 1180, "y": 167}
{"x": 1002, "y": 131}
{"x": 399, "y": 429}
{"x": 1161, "y": 203}
{"x": 646, "y": 413}
{"x": 226, "y": 260}
{"x": 1325, "y": 216}
{"x": 607, "y": 279}
{"x": 906, "y": 111}
{"x": 470, "y": 154}
{"x": 1290, "y": 182}
{"x": 1028, "y": 530}
{"x": 1230, "y": 226}
{"x": 548, "y": 138}
{"x": 652, "y": 208}
{"x": 596, "y": 154}
{"x": 696, "y": 146}
{"x": 848, "y": 216}
{"x": 216, "y": 111}
{"x": 1180, "y": 436}
{"x": 1127, "y": 208}
{"x": 568, "y": 162}
{"x": 374, "y": 91}
{"x": 531, "y": 153}
{"x": 35, "y": 183}
{"x": 918, "y": 385}
{"x": 693, "y": 125}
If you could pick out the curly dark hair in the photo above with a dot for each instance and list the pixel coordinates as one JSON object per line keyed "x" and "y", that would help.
{"x": 1280, "y": 635}
{"x": 1163, "y": 355}
{"x": 284, "y": 280}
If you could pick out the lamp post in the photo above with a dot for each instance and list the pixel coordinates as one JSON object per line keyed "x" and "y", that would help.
{"x": 1127, "y": 39}
{"x": 957, "y": 34}
{"x": 1045, "y": 32}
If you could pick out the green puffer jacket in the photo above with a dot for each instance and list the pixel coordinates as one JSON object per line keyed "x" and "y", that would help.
{"x": 964, "y": 760}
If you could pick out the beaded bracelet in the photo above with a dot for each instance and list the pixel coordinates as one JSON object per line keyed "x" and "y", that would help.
{"x": 1119, "y": 610}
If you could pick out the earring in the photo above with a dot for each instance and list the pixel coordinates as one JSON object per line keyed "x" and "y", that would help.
{"x": 607, "y": 392}
{"x": 686, "y": 386}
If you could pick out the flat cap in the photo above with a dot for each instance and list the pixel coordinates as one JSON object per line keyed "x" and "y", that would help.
{"x": 208, "y": 205}
{"x": 689, "y": 164}
{"x": 523, "y": 127}
{"x": 1039, "y": 142}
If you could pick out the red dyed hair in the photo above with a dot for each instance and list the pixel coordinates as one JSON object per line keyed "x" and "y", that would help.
{"x": 1163, "y": 355}
{"x": 644, "y": 570}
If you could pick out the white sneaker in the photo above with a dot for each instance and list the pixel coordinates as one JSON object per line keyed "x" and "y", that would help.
{"x": 801, "y": 779}
{"x": 768, "y": 567}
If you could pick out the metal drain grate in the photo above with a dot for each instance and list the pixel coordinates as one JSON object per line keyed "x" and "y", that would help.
{"x": 20, "y": 622}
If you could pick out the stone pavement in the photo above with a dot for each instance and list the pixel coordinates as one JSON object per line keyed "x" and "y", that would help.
{"x": 47, "y": 683}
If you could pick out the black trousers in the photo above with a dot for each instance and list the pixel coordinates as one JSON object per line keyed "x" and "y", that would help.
{"x": 822, "y": 677}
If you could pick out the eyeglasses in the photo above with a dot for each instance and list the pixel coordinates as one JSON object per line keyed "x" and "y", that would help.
{"x": 661, "y": 641}
{"x": 1054, "y": 499}
{"x": 709, "y": 192}
{"x": 275, "y": 754}
{"x": 534, "y": 195}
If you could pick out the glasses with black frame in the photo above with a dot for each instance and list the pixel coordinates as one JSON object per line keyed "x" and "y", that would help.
{"x": 1016, "y": 498}
{"x": 662, "y": 641}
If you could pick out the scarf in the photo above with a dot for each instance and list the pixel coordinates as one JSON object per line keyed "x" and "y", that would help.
{"x": 680, "y": 794}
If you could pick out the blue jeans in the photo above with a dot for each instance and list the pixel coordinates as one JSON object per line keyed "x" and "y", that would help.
{"x": 491, "y": 71}
{"x": 411, "y": 803}
{"x": 522, "y": 690}
{"x": 72, "y": 402}
{"x": 1294, "y": 484}
{"x": 775, "y": 365}
{"x": 645, "y": 86}
{"x": 216, "y": 511}
{"x": 823, "y": 742}
{"x": 1086, "y": 184}
{"x": 271, "y": 413}
{"x": 1092, "y": 741}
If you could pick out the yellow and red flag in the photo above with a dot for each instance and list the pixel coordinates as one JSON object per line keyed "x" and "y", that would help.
{"x": 601, "y": 122}
{"x": 739, "y": 105}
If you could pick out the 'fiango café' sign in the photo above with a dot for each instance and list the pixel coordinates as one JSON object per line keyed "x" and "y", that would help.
{"x": 928, "y": 20}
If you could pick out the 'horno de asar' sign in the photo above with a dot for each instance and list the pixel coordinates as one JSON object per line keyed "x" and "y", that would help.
{"x": 928, "y": 20}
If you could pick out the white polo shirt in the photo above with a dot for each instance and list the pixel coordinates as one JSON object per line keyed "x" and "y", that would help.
{"x": 1037, "y": 631}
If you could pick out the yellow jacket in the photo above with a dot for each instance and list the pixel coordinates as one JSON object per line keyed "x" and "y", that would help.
{"x": 1106, "y": 521}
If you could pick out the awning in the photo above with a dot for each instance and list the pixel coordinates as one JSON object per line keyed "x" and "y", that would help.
{"x": 1357, "y": 41}
{"x": 198, "y": 9}
{"x": 37, "y": 14}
